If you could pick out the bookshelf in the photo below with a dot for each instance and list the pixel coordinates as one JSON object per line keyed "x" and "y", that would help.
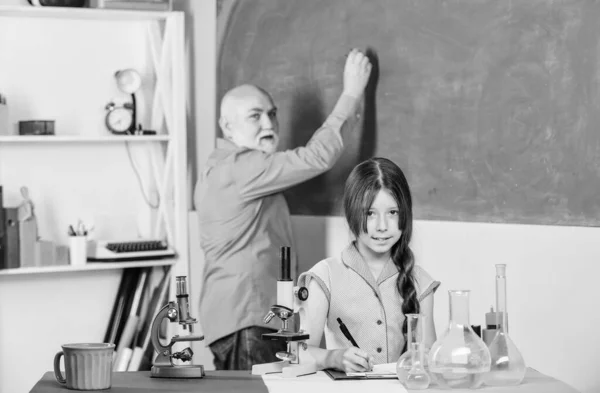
{"x": 150, "y": 42}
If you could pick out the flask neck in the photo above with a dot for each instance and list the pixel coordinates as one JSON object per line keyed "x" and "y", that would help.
{"x": 501, "y": 298}
{"x": 459, "y": 307}
{"x": 414, "y": 322}
{"x": 417, "y": 354}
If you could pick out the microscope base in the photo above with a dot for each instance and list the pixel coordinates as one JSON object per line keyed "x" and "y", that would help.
{"x": 298, "y": 370}
{"x": 266, "y": 368}
{"x": 196, "y": 371}
{"x": 286, "y": 369}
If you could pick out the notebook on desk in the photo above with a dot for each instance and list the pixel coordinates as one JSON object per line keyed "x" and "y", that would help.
{"x": 380, "y": 371}
{"x": 132, "y": 250}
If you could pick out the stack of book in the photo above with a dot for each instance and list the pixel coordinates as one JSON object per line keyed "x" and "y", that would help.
{"x": 20, "y": 245}
{"x": 134, "y": 309}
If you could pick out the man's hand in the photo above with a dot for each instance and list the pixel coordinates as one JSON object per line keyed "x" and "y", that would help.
{"x": 356, "y": 73}
{"x": 354, "y": 360}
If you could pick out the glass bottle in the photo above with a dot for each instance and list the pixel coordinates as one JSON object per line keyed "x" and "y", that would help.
{"x": 417, "y": 377}
{"x": 508, "y": 366}
{"x": 414, "y": 329}
{"x": 459, "y": 358}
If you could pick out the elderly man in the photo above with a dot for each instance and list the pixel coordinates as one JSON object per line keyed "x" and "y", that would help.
{"x": 244, "y": 218}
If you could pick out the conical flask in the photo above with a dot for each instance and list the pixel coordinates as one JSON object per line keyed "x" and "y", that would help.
{"x": 459, "y": 359}
{"x": 508, "y": 366}
{"x": 414, "y": 332}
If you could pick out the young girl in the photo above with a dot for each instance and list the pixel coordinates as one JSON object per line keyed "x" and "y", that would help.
{"x": 374, "y": 282}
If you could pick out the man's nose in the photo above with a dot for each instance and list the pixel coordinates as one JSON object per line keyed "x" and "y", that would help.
{"x": 267, "y": 122}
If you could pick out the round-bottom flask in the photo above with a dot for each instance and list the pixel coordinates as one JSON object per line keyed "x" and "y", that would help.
{"x": 459, "y": 359}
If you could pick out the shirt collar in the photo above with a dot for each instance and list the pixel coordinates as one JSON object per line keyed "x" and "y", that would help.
{"x": 351, "y": 257}
{"x": 226, "y": 144}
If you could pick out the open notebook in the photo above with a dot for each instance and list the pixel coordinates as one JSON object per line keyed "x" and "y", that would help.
{"x": 380, "y": 371}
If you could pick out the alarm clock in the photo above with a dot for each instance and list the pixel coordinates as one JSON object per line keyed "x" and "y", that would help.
{"x": 120, "y": 119}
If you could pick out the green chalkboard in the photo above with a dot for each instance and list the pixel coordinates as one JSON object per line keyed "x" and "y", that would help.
{"x": 491, "y": 107}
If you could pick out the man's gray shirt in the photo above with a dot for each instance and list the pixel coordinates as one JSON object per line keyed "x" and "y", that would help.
{"x": 244, "y": 221}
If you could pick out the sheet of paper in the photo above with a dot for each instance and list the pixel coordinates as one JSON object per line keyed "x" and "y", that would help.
{"x": 385, "y": 370}
{"x": 389, "y": 368}
{"x": 320, "y": 382}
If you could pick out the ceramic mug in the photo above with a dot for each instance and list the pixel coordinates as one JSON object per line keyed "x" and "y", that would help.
{"x": 87, "y": 366}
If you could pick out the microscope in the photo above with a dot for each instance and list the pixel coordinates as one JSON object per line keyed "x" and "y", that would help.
{"x": 296, "y": 361}
{"x": 177, "y": 312}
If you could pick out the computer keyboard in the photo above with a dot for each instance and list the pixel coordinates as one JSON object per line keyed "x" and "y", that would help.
{"x": 137, "y": 246}
{"x": 129, "y": 250}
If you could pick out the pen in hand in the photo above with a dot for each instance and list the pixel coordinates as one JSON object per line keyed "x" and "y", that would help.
{"x": 346, "y": 333}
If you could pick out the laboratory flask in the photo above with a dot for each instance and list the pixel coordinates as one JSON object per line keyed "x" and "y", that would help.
{"x": 508, "y": 366}
{"x": 414, "y": 331}
{"x": 459, "y": 358}
{"x": 417, "y": 378}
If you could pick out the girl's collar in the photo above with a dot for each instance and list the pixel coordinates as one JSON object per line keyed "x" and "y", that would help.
{"x": 352, "y": 258}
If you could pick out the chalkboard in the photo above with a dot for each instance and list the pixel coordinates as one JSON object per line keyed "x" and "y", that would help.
{"x": 492, "y": 108}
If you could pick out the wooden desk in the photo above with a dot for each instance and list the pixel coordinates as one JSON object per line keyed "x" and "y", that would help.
{"x": 242, "y": 381}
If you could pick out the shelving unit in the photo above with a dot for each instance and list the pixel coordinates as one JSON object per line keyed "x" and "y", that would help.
{"x": 164, "y": 153}
{"x": 59, "y": 64}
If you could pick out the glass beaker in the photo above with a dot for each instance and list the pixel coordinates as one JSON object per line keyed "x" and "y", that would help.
{"x": 414, "y": 332}
{"x": 459, "y": 358}
{"x": 417, "y": 377}
{"x": 508, "y": 366}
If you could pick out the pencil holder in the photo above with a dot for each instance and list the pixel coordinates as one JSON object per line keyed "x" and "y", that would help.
{"x": 77, "y": 250}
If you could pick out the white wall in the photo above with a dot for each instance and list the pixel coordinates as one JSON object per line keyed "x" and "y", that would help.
{"x": 38, "y": 313}
{"x": 551, "y": 283}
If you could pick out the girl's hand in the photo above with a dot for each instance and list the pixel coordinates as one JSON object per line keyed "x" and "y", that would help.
{"x": 354, "y": 360}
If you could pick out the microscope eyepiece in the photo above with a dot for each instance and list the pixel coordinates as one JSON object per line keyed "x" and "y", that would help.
{"x": 285, "y": 264}
{"x": 181, "y": 285}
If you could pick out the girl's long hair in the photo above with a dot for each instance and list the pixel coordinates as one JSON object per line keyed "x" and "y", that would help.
{"x": 362, "y": 186}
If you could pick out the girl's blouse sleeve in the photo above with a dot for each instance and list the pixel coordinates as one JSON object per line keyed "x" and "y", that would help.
{"x": 425, "y": 283}
{"x": 320, "y": 273}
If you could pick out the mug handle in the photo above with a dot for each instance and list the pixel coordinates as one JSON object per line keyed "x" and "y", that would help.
{"x": 57, "y": 373}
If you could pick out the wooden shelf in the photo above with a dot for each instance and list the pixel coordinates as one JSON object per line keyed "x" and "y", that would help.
{"x": 90, "y": 266}
{"x": 82, "y": 139}
{"x": 81, "y": 13}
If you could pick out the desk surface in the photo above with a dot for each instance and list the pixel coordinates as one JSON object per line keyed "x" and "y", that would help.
{"x": 237, "y": 381}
